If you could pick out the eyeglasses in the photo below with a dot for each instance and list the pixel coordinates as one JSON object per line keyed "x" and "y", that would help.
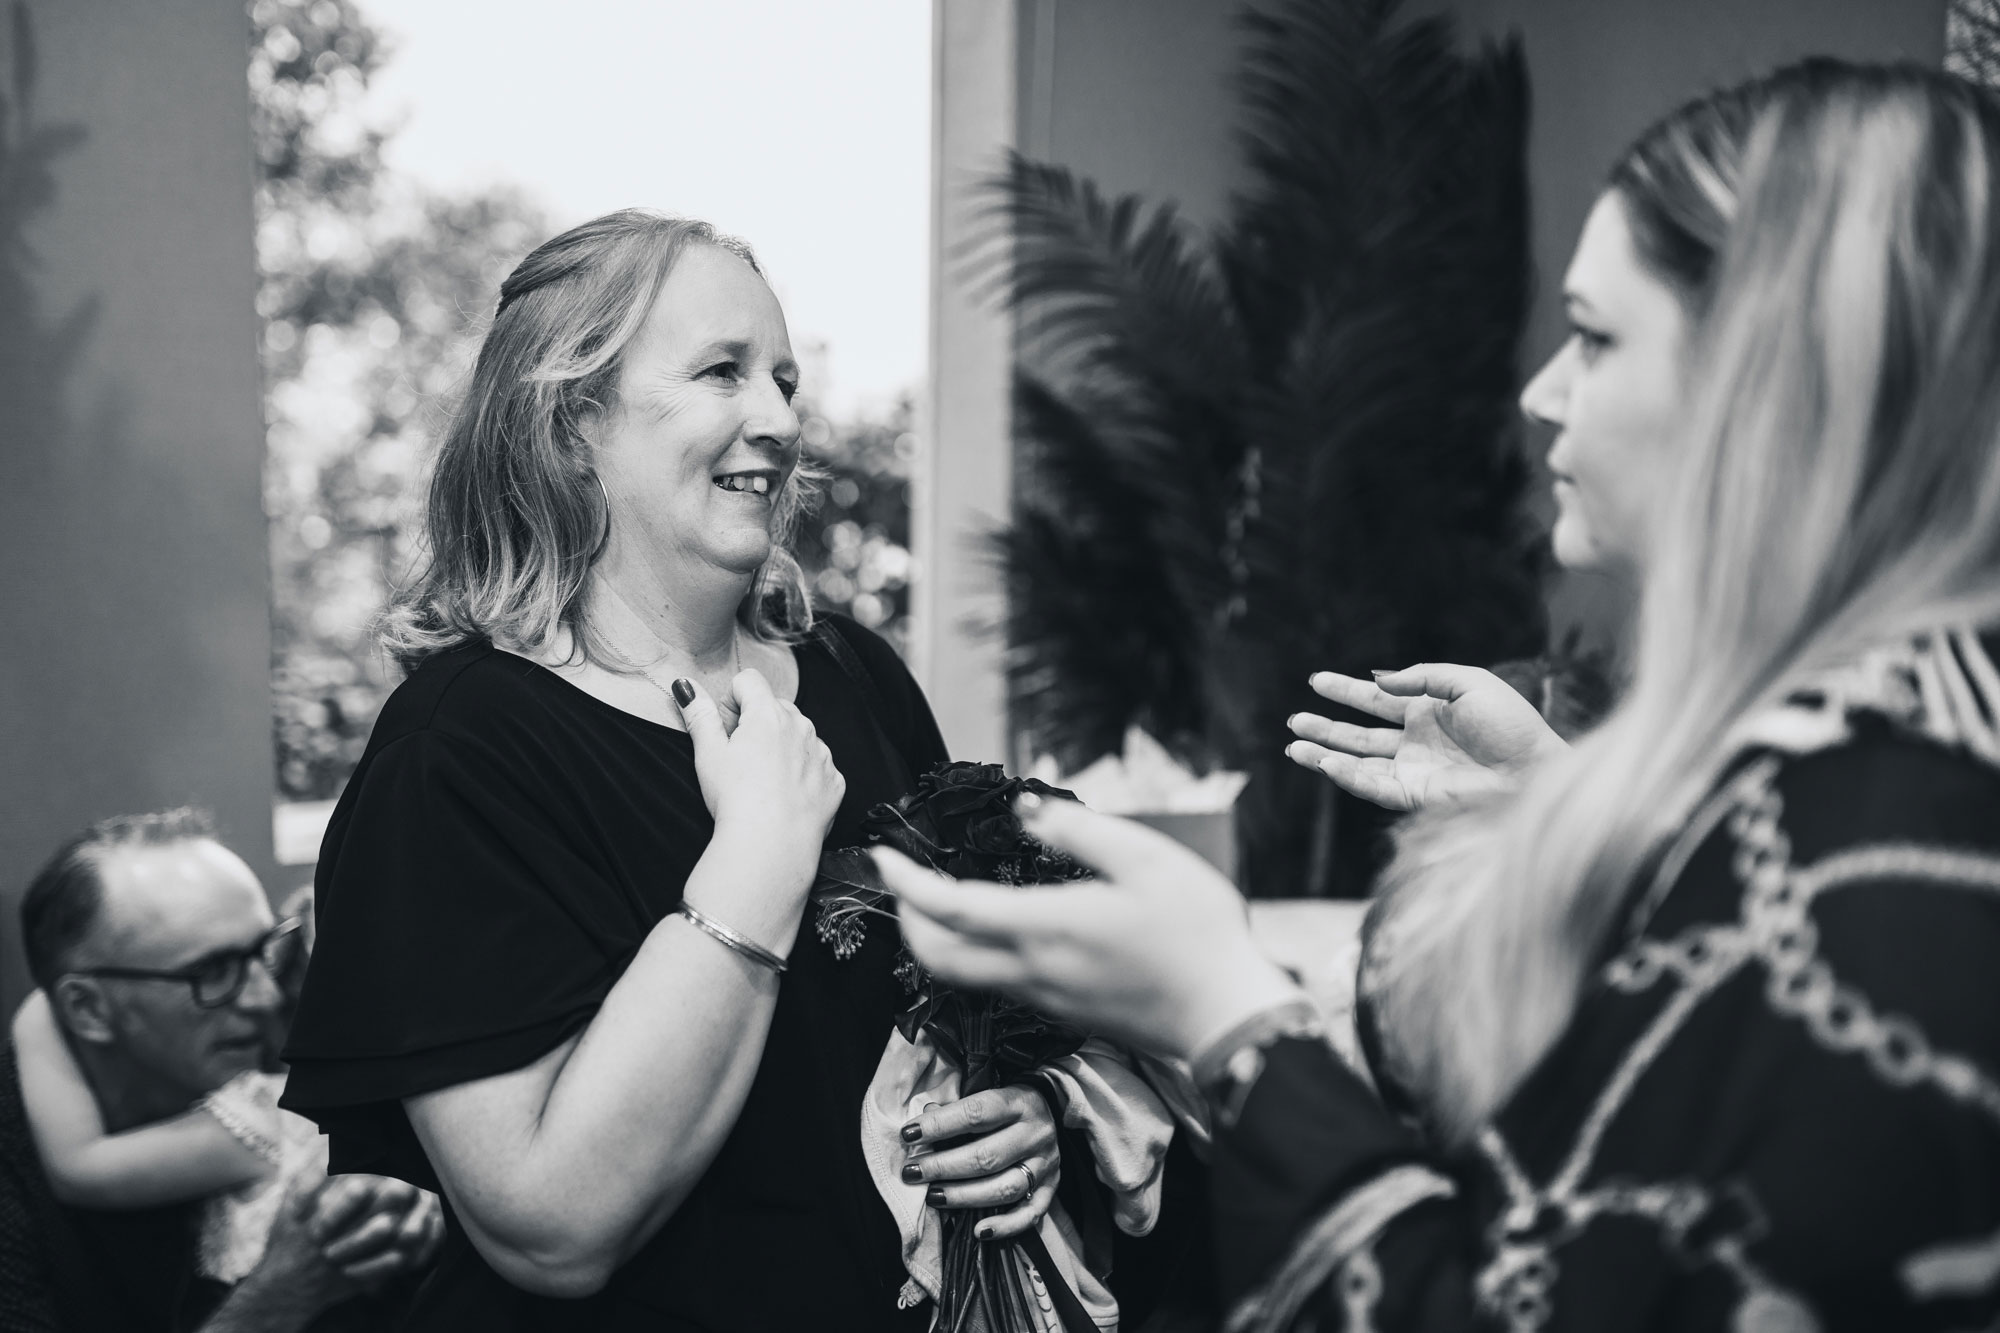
{"x": 219, "y": 978}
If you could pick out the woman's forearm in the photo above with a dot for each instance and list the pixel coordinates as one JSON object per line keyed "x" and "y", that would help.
{"x": 561, "y": 1170}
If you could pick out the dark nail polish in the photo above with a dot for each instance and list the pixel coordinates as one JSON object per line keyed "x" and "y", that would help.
{"x": 982, "y": 1232}
{"x": 912, "y": 1132}
{"x": 913, "y": 1173}
{"x": 934, "y": 1197}
{"x": 683, "y": 692}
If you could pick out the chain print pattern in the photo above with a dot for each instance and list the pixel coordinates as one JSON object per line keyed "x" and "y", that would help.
{"x": 1775, "y": 930}
{"x": 1941, "y": 686}
{"x": 1360, "y": 1280}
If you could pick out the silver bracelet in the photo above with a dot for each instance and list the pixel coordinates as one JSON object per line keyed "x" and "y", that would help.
{"x": 742, "y": 944}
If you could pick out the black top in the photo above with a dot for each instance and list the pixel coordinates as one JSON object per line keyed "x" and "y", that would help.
{"x": 86, "y": 1270}
{"x": 68, "y": 1270}
{"x": 505, "y": 846}
{"x": 1777, "y": 1104}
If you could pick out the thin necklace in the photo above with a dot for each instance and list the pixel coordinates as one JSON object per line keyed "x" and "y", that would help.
{"x": 646, "y": 669}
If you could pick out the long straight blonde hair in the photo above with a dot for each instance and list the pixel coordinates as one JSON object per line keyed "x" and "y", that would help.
{"x": 1840, "y": 488}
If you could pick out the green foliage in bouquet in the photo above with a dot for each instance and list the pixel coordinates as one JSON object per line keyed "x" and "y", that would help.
{"x": 1285, "y": 446}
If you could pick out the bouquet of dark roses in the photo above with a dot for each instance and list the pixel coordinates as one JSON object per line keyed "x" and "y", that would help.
{"x": 960, "y": 820}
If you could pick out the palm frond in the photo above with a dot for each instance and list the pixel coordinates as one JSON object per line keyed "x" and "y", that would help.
{"x": 1114, "y": 283}
{"x": 1120, "y": 299}
{"x": 1103, "y": 619}
{"x": 1288, "y": 445}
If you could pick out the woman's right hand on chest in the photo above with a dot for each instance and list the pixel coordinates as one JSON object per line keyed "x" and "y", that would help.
{"x": 770, "y": 784}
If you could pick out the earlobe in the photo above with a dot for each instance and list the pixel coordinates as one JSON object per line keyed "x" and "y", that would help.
{"x": 82, "y": 1009}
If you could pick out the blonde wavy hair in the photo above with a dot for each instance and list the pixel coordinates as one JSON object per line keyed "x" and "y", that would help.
{"x": 516, "y": 515}
{"x": 1840, "y": 489}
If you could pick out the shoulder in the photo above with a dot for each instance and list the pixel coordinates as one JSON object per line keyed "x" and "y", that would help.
{"x": 900, "y": 701}
{"x": 1881, "y": 850}
{"x": 471, "y": 728}
{"x": 461, "y": 688}
{"x": 1884, "y": 785}
{"x": 883, "y": 662}
{"x": 1901, "y": 743}
{"x": 1867, "y": 882}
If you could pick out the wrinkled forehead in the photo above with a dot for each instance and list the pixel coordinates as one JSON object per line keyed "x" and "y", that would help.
{"x": 170, "y": 905}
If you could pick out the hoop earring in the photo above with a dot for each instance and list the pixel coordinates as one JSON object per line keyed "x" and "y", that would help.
{"x": 604, "y": 535}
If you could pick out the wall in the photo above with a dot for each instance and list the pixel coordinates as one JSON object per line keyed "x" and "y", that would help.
{"x": 965, "y": 471}
{"x": 1135, "y": 94}
{"x": 132, "y": 536}
{"x": 1129, "y": 93}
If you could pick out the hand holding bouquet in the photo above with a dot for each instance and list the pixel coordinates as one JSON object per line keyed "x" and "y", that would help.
{"x": 960, "y": 820}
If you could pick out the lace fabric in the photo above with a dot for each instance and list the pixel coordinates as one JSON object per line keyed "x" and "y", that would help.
{"x": 235, "y": 1226}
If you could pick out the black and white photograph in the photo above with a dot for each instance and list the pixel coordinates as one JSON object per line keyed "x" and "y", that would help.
{"x": 1000, "y": 666}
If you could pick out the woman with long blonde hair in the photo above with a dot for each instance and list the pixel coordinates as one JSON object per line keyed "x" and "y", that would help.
{"x": 1699, "y": 1023}
{"x": 1615, "y": 394}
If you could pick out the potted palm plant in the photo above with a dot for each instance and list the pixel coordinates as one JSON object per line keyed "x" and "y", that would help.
{"x": 1286, "y": 444}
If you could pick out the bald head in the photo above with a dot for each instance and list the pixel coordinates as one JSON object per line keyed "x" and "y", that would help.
{"x": 127, "y": 879}
{"x": 167, "y": 906}
{"x": 121, "y": 925}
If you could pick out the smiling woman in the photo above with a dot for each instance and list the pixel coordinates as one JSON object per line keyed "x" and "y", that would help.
{"x": 557, "y": 897}
{"x": 584, "y": 349}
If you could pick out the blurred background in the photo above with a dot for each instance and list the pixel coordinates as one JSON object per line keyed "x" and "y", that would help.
{"x": 1161, "y": 350}
{"x": 409, "y": 154}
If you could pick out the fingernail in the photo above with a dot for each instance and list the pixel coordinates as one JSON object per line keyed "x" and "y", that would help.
{"x": 1290, "y": 720}
{"x": 934, "y": 1197}
{"x": 1378, "y": 674}
{"x": 913, "y": 1173}
{"x": 912, "y": 1132}
{"x": 683, "y": 692}
{"x": 1027, "y": 803}
{"x": 982, "y": 1232}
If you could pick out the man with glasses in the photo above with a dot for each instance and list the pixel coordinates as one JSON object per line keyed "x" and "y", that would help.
{"x": 168, "y": 976}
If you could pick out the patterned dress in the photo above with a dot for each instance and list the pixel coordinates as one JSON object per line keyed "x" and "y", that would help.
{"x": 1776, "y": 1107}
